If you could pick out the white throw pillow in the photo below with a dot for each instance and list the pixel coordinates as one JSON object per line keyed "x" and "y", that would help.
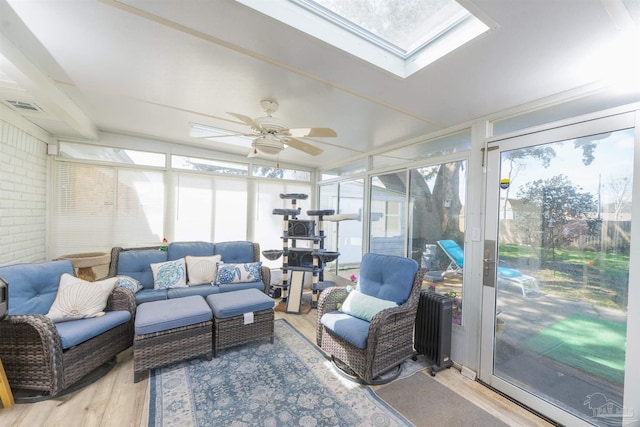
{"x": 364, "y": 306}
{"x": 77, "y": 298}
{"x": 170, "y": 274}
{"x": 202, "y": 269}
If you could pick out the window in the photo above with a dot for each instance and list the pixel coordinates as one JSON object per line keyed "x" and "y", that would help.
{"x": 344, "y": 236}
{"x": 388, "y": 210}
{"x": 206, "y": 165}
{"x": 437, "y": 197}
{"x": 268, "y": 227}
{"x": 454, "y": 143}
{"x": 279, "y": 173}
{"x": 98, "y": 207}
{"x": 210, "y": 208}
{"x": 73, "y": 150}
{"x": 345, "y": 170}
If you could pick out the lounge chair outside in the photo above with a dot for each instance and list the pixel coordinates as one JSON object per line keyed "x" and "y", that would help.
{"x": 506, "y": 276}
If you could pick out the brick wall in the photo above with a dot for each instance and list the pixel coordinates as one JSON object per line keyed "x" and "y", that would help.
{"x": 23, "y": 191}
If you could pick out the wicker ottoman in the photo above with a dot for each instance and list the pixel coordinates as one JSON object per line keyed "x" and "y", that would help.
{"x": 170, "y": 331}
{"x": 240, "y": 317}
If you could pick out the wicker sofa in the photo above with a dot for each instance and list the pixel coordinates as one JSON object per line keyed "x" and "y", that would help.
{"x": 136, "y": 263}
{"x": 39, "y": 354}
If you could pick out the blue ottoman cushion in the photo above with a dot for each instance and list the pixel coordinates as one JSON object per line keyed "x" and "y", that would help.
{"x": 236, "y": 303}
{"x": 168, "y": 314}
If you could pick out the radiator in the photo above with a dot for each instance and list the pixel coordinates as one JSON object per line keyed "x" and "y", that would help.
{"x": 432, "y": 334}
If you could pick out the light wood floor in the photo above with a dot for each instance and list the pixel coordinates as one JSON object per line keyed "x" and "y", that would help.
{"x": 116, "y": 401}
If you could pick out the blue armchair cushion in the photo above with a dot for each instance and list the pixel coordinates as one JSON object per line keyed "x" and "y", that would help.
{"x": 387, "y": 277}
{"x": 33, "y": 286}
{"x": 78, "y": 331}
{"x": 351, "y": 329}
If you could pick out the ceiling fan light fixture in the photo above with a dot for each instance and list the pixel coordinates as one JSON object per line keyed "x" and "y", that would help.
{"x": 268, "y": 144}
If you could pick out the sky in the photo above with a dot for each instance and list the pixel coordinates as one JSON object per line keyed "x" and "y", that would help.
{"x": 613, "y": 160}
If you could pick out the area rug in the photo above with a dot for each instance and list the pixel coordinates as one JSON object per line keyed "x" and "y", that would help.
{"x": 426, "y": 402}
{"x": 587, "y": 343}
{"x": 287, "y": 383}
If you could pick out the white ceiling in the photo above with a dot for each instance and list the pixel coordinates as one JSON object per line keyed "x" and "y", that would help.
{"x": 150, "y": 67}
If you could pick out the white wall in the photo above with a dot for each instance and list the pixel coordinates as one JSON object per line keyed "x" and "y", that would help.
{"x": 23, "y": 190}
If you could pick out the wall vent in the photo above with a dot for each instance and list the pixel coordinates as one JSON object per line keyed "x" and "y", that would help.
{"x": 24, "y": 106}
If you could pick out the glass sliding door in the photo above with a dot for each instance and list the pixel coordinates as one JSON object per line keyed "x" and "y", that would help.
{"x": 555, "y": 331}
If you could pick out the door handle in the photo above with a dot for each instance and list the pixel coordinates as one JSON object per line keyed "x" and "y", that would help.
{"x": 489, "y": 264}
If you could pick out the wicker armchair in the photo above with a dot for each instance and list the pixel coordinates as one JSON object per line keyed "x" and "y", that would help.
{"x": 31, "y": 349}
{"x": 389, "y": 340}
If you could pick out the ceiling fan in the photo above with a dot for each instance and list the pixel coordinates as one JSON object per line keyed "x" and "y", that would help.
{"x": 272, "y": 135}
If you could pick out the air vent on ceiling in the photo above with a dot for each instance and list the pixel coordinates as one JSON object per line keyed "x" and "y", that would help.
{"x": 24, "y": 106}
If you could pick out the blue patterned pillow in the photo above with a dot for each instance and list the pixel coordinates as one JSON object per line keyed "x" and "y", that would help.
{"x": 238, "y": 273}
{"x": 170, "y": 274}
{"x": 129, "y": 283}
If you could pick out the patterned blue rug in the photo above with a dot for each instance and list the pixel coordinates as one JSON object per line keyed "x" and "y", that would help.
{"x": 288, "y": 383}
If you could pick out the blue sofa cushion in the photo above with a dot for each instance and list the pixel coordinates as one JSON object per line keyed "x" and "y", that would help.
{"x": 179, "y": 250}
{"x": 351, "y": 329}
{"x": 33, "y": 286}
{"x": 202, "y": 290}
{"x": 159, "y": 316}
{"x": 231, "y": 287}
{"x": 387, "y": 277}
{"x": 235, "y": 252}
{"x": 137, "y": 264}
{"x": 148, "y": 295}
{"x": 75, "y": 332}
{"x": 231, "y": 304}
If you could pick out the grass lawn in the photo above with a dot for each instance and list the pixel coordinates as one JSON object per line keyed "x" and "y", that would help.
{"x": 595, "y": 277}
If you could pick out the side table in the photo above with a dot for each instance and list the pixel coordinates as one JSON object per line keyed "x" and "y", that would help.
{"x": 85, "y": 263}
{"x": 5, "y": 390}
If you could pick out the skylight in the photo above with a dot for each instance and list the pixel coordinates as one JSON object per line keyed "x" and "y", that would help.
{"x": 399, "y": 36}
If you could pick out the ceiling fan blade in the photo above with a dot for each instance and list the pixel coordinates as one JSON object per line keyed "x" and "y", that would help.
{"x": 312, "y": 133}
{"x": 302, "y": 146}
{"x": 246, "y": 119}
